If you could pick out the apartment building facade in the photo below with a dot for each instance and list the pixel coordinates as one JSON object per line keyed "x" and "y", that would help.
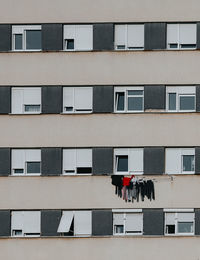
{"x": 91, "y": 90}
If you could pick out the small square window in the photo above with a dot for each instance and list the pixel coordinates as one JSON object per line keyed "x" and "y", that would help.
{"x": 33, "y": 40}
{"x": 33, "y": 167}
{"x": 170, "y": 229}
{"x": 70, "y": 44}
{"x": 119, "y": 229}
{"x": 187, "y": 102}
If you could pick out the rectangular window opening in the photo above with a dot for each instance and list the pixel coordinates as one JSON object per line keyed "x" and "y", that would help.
{"x": 122, "y": 163}
{"x": 32, "y": 108}
{"x": 84, "y": 170}
{"x": 33, "y": 167}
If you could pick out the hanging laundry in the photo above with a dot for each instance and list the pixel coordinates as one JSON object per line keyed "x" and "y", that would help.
{"x": 130, "y": 189}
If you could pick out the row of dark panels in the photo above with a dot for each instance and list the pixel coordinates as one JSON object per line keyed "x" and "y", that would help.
{"x": 99, "y": 161}
{"x": 98, "y": 99}
{"x": 51, "y": 37}
{"x": 147, "y": 222}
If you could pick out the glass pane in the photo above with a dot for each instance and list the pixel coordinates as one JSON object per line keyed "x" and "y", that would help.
{"x": 70, "y": 44}
{"x": 172, "y": 101}
{"x": 135, "y": 92}
{"x": 188, "y": 163}
{"x": 135, "y": 103}
{"x": 170, "y": 229}
{"x": 119, "y": 229}
{"x": 122, "y": 165}
{"x": 120, "y": 101}
{"x": 33, "y": 40}
{"x": 121, "y": 47}
{"x": 19, "y": 171}
{"x": 185, "y": 227}
{"x": 18, "y": 41}
{"x": 187, "y": 103}
{"x": 33, "y": 167}
{"x": 32, "y": 108}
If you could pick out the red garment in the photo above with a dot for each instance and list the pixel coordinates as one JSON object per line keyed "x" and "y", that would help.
{"x": 126, "y": 181}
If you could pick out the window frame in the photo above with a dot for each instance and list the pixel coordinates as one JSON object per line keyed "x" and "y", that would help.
{"x": 72, "y": 216}
{"x": 126, "y": 38}
{"x": 125, "y": 91}
{"x": 178, "y": 37}
{"x": 180, "y": 91}
{"x": 176, "y": 212}
{"x": 124, "y": 213}
{"x": 24, "y": 28}
{"x": 75, "y": 37}
{"x": 180, "y": 153}
{"x": 23, "y": 234}
{"x": 25, "y": 164}
{"x": 86, "y": 111}
{"x": 23, "y": 89}
{"x": 127, "y": 152}
{"x": 75, "y": 169}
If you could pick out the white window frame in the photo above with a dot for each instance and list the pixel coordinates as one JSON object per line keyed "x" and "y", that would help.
{"x": 180, "y": 91}
{"x": 21, "y": 29}
{"x": 180, "y": 153}
{"x": 23, "y": 104}
{"x": 178, "y": 36}
{"x": 23, "y": 214}
{"x": 74, "y": 111}
{"x": 125, "y": 91}
{"x": 176, "y": 212}
{"x": 75, "y": 28}
{"x": 25, "y": 163}
{"x": 124, "y": 212}
{"x": 73, "y": 215}
{"x": 75, "y": 151}
{"x": 126, "y": 38}
{"x": 127, "y": 152}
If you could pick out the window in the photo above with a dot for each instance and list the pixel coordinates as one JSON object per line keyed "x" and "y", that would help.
{"x": 127, "y": 223}
{"x": 129, "y": 99}
{"x": 129, "y": 37}
{"x": 26, "y": 162}
{"x": 179, "y": 223}
{"x": 75, "y": 223}
{"x": 180, "y": 161}
{"x": 26, "y": 100}
{"x": 26, "y": 38}
{"x": 78, "y": 37}
{"x": 128, "y": 161}
{"x": 77, "y": 161}
{"x": 181, "y": 36}
{"x": 77, "y": 100}
{"x": 181, "y": 99}
{"x": 25, "y": 223}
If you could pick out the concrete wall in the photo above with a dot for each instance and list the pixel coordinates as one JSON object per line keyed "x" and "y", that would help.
{"x": 87, "y": 192}
{"x": 142, "y": 67}
{"x": 100, "y": 130}
{"x": 165, "y": 248}
{"x": 46, "y": 11}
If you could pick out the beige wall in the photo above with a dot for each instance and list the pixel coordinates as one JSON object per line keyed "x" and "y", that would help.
{"x": 142, "y": 67}
{"x": 100, "y": 130}
{"x": 46, "y": 11}
{"x": 87, "y": 192}
{"x": 177, "y": 248}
